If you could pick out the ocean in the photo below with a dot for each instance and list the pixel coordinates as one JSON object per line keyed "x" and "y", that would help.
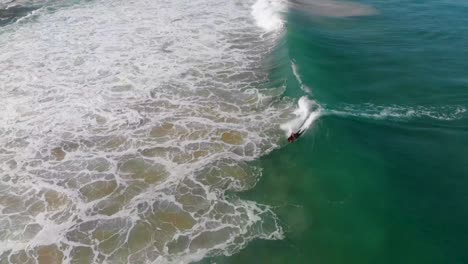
{"x": 156, "y": 131}
{"x": 382, "y": 175}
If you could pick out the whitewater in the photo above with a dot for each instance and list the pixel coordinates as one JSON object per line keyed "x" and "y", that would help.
{"x": 126, "y": 128}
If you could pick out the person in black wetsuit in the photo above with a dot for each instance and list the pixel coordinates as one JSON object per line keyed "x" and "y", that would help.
{"x": 294, "y": 136}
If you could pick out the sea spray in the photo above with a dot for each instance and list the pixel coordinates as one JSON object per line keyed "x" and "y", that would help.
{"x": 269, "y": 14}
{"x": 306, "y": 113}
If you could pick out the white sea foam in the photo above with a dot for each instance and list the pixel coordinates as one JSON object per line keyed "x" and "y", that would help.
{"x": 122, "y": 125}
{"x": 269, "y": 14}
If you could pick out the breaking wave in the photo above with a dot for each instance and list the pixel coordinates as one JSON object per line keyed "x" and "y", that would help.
{"x": 306, "y": 113}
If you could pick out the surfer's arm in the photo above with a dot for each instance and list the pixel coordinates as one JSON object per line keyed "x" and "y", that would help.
{"x": 299, "y": 132}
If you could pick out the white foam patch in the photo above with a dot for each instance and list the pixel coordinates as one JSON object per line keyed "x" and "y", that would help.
{"x": 268, "y": 14}
{"x": 305, "y": 114}
{"x": 124, "y": 122}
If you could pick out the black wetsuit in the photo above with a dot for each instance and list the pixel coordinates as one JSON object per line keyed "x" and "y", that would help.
{"x": 294, "y": 136}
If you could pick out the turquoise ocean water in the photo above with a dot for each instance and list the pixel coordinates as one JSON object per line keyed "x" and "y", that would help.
{"x": 382, "y": 176}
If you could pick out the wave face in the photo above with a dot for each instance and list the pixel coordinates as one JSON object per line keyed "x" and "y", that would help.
{"x": 123, "y": 125}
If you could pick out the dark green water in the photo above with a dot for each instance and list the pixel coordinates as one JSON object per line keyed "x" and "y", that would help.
{"x": 382, "y": 177}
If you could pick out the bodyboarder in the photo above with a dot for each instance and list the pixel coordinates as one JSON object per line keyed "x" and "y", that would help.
{"x": 294, "y": 136}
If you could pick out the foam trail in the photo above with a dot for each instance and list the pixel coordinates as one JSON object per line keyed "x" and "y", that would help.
{"x": 304, "y": 87}
{"x": 306, "y": 113}
{"x": 399, "y": 112}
